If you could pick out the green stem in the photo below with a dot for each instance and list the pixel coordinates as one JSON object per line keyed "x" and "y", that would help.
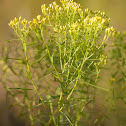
{"x": 28, "y": 71}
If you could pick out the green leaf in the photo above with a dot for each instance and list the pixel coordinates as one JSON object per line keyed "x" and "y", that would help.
{"x": 32, "y": 43}
{"x": 38, "y": 60}
{"x": 15, "y": 58}
{"x": 21, "y": 88}
{"x": 68, "y": 118}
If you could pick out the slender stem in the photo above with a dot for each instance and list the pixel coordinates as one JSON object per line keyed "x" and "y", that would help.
{"x": 23, "y": 39}
{"x": 50, "y": 56}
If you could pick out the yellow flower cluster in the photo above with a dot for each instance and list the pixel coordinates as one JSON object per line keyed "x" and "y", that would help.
{"x": 16, "y": 22}
{"x": 13, "y": 22}
{"x": 102, "y": 61}
{"x": 67, "y": 17}
{"x": 74, "y": 28}
{"x": 66, "y": 5}
{"x": 110, "y": 29}
{"x": 24, "y": 22}
{"x": 60, "y": 17}
{"x": 69, "y": 5}
{"x": 95, "y": 20}
{"x": 43, "y": 8}
{"x": 52, "y": 7}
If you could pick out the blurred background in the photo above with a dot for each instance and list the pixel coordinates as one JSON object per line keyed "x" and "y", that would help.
{"x": 29, "y": 9}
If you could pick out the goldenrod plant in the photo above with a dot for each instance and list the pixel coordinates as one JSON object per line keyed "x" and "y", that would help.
{"x": 62, "y": 54}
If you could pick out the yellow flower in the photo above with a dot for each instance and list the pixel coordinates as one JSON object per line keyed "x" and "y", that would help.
{"x": 15, "y": 20}
{"x": 60, "y": 8}
{"x": 20, "y": 18}
{"x": 62, "y": 1}
{"x": 35, "y": 22}
{"x": 39, "y": 17}
{"x": 11, "y": 23}
{"x": 24, "y": 22}
{"x": 55, "y": 29}
{"x": 57, "y": 8}
{"x": 70, "y": 31}
{"x": 54, "y": 3}
{"x": 43, "y": 20}
{"x": 64, "y": 27}
{"x": 103, "y": 21}
{"x": 43, "y": 7}
{"x": 85, "y": 20}
{"x": 30, "y": 22}
{"x": 74, "y": 26}
{"x": 51, "y": 6}
{"x": 70, "y": 1}
{"x": 110, "y": 29}
{"x": 86, "y": 10}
